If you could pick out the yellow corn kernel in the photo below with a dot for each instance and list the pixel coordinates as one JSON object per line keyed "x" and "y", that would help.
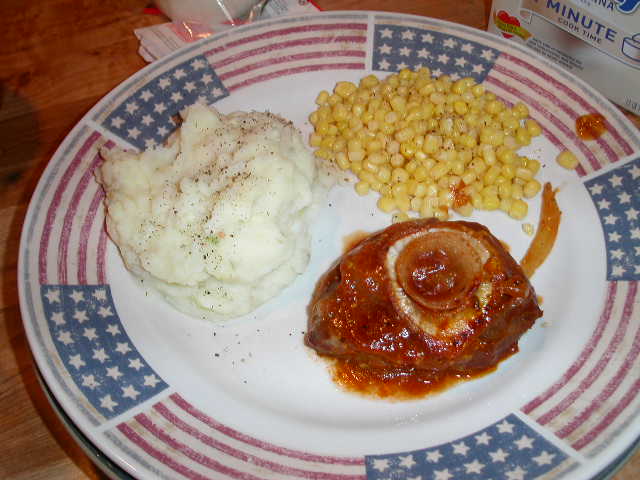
{"x": 399, "y": 217}
{"x": 490, "y": 202}
{"x": 533, "y": 165}
{"x": 344, "y": 89}
{"x": 505, "y": 204}
{"x": 386, "y": 204}
{"x": 403, "y": 202}
{"x": 521, "y": 110}
{"x": 567, "y": 159}
{"x": 519, "y": 209}
{"x": 465, "y": 210}
{"x": 384, "y": 174}
{"x": 524, "y": 174}
{"x": 356, "y": 156}
{"x": 362, "y": 188}
{"x": 399, "y": 175}
{"x": 322, "y": 97}
{"x": 342, "y": 160}
{"x": 369, "y": 166}
{"x": 532, "y": 127}
{"x": 523, "y": 136}
{"x": 442, "y": 213}
{"x": 528, "y": 228}
{"x": 531, "y": 188}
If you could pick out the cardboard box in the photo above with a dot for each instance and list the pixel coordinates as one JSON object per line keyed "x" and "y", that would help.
{"x": 596, "y": 40}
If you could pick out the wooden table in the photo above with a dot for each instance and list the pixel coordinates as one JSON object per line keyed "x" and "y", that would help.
{"x": 57, "y": 59}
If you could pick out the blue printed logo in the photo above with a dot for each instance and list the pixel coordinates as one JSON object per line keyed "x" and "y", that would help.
{"x": 627, "y": 6}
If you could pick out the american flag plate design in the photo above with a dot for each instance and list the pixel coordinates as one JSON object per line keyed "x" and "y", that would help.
{"x": 164, "y": 395}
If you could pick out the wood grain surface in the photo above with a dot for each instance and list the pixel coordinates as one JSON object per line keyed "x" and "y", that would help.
{"x": 57, "y": 59}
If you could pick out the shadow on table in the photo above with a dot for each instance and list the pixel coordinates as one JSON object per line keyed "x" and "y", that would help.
{"x": 21, "y": 164}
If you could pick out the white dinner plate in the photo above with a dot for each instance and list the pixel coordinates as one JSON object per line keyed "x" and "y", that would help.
{"x": 164, "y": 395}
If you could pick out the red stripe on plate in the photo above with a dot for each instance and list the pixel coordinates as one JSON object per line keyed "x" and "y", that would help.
{"x": 194, "y": 412}
{"x": 584, "y": 356}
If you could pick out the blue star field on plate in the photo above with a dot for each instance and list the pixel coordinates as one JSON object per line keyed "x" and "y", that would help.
{"x": 145, "y": 118}
{"x": 397, "y": 47}
{"x": 508, "y": 449}
{"x": 95, "y": 349}
{"x": 617, "y": 201}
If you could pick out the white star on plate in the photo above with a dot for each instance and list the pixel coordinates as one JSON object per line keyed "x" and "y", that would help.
{"x": 65, "y": 337}
{"x": 116, "y": 122}
{"x": 483, "y": 439}
{"x": 618, "y": 270}
{"x": 427, "y": 38}
{"x": 90, "y": 381}
{"x": 443, "y": 58}
{"x": 53, "y": 295}
{"x": 114, "y": 372}
{"x": 624, "y": 197}
{"x": 408, "y": 35}
{"x": 449, "y": 43}
{"x": 131, "y": 107}
{"x": 100, "y": 355}
{"x": 635, "y": 172}
{"x": 460, "y": 448}
{"x": 433, "y": 456}
{"x": 405, "y": 51}
{"x": 105, "y": 312}
{"x": 610, "y": 219}
{"x": 632, "y": 214}
{"x": 467, "y": 48}
{"x": 544, "y": 458}
{"x": 149, "y": 143}
{"x": 146, "y": 95}
{"x": 178, "y": 74}
{"x": 197, "y": 64}
{"x": 637, "y": 250}
{"x": 207, "y": 78}
{"x": 524, "y": 442}
{"x": 130, "y": 392}
{"x": 617, "y": 254}
{"x": 384, "y": 65}
{"x": 595, "y": 189}
{"x": 454, "y": 77}
{"x": 407, "y": 461}
{"x": 615, "y": 181}
{"x": 442, "y": 474}
{"x": 636, "y": 270}
{"x": 386, "y": 33}
{"x": 123, "y": 348}
{"x": 461, "y": 61}
{"x": 384, "y": 49}
{"x": 90, "y": 333}
{"x": 108, "y": 403}
{"x": 614, "y": 237}
{"x": 498, "y": 456}
{"x": 113, "y": 329}
{"x": 76, "y": 361}
{"x": 147, "y": 120}
{"x": 133, "y": 132}
{"x": 159, "y": 107}
{"x": 604, "y": 204}
{"x": 474, "y": 467}
{"x": 516, "y": 474}
{"x": 380, "y": 464}
{"x": 505, "y": 427}
{"x": 77, "y": 296}
{"x": 58, "y": 318}
{"x": 487, "y": 55}
{"x": 176, "y": 97}
{"x": 164, "y": 82}
{"x": 80, "y": 316}
{"x": 217, "y": 92}
{"x": 100, "y": 294}
{"x": 151, "y": 380}
{"x": 189, "y": 87}
{"x": 162, "y": 131}
{"x": 436, "y": 73}
{"x": 423, "y": 53}
{"x": 401, "y": 66}
{"x": 135, "y": 363}
{"x": 635, "y": 233}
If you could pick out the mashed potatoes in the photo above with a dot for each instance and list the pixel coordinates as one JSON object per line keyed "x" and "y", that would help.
{"x": 217, "y": 220}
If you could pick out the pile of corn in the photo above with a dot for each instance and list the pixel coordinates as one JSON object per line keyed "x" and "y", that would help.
{"x": 428, "y": 145}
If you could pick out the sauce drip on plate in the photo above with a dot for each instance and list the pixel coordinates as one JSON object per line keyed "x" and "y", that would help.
{"x": 590, "y": 126}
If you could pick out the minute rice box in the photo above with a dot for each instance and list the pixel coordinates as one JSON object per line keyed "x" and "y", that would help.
{"x": 597, "y": 40}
